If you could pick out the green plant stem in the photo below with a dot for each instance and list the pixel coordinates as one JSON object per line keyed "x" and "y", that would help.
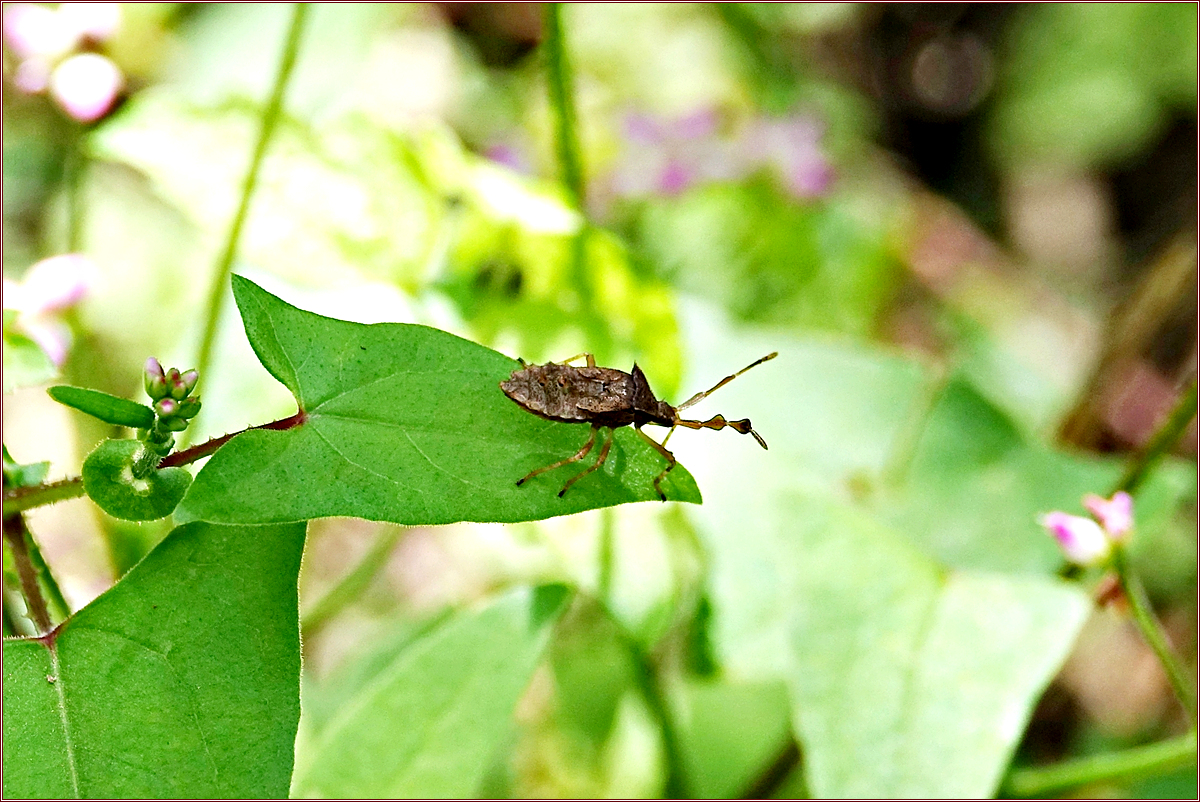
{"x": 1162, "y": 441}
{"x": 19, "y": 499}
{"x": 75, "y": 167}
{"x": 1131, "y": 763}
{"x": 56, "y": 601}
{"x": 352, "y": 584}
{"x": 606, "y": 555}
{"x": 562, "y": 94}
{"x": 15, "y": 533}
{"x": 24, "y": 498}
{"x": 1147, "y": 623}
{"x": 650, "y": 684}
{"x": 270, "y": 118}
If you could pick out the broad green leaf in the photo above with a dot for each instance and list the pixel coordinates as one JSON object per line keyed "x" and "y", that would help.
{"x": 18, "y": 475}
{"x": 106, "y": 407}
{"x": 429, "y": 722}
{"x": 181, "y": 681}
{"x": 406, "y": 424}
{"x": 907, "y": 680}
{"x": 25, "y": 363}
{"x": 730, "y": 733}
{"x": 109, "y": 481}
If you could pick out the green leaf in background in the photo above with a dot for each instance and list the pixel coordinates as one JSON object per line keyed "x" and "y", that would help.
{"x": 25, "y": 363}
{"x": 730, "y": 732}
{"x": 181, "y": 681}
{"x": 106, "y": 407}
{"x": 18, "y": 475}
{"x": 910, "y": 681}
{"x": 907, "y": 679}
{"x": 428, "y": 723}
{"x": 405, "y": 424}
{"x": 109, "y": 481}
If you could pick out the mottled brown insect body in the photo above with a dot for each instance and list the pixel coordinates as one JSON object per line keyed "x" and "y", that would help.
{"x": 607, "y": 399}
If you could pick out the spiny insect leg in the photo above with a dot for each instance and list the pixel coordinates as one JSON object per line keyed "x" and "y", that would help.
{"x": 591, "y": 360}
{"x": 599, "y": 461}
{"x": 583, "y": 452}
{"x": 661, "y": 449}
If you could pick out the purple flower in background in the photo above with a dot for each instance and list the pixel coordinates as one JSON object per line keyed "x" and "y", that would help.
{"x": 792, "y": 147}
{"x": 665, "y": 157}
{"x": 48, "y": 289}
{"x": 510, "y": 156}
{"x": 86, "y": 85}
{"x": 1082, "y": 540}
{"x": 46, "y": 40}
{"x": 668, "y": 156}
{"x": 1115, "y": 514}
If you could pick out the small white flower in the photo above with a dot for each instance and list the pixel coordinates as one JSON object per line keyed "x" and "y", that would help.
{"x": 1082, "y": 540}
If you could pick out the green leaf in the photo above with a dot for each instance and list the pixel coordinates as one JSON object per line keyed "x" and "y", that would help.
{"x": 730, "y": 732}
{"x": 25, "y": 363}
{"x": 18, "y": 475}
{"x": 181, "y": 681}
{"x": 108, "y": 480}
{"x": 108, "y": 408}
{"x": 909, "y": 681}
{"x": 406, "y": 424}
{"x": 429, "y": 722}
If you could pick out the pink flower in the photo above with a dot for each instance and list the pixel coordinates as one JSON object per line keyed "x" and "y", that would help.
{"x": 86, "y": 85}
{"x": 1082, "y": 540}
{"x": 1115, "y": 514}
{"x": 48, "y": 289}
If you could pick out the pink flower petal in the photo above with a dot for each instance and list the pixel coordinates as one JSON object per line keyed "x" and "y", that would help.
{"x": 1081, "y": 539}
{"x": 95, "y": 21}
{"x": 1115, "y": 514}
{"x": 86, "y": 85}
{"x": 33, "y": 30}
{"x": 56, "y": 283}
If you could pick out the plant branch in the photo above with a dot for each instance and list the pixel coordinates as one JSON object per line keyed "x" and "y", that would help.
{"x": 24, "y": 498}
{"x": 1131, "y": 763}
{"x": 649, "y": 682}
{"x": 1162, "y": 441}
{"x": 209, "y": 447}
{"x": 562, "y": 94}
{"x": 1151, "y": 629}
{"x": 15, "y": 532}
{"x": 270, "y": 117}
{"x": 351, "y": 586}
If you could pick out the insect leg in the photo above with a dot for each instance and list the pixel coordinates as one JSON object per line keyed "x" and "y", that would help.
{"x": 599, "y": 461}
{"x": 583, "y": 452}
{"x": 661, "y": 449}
{"x": 591, "y": 360}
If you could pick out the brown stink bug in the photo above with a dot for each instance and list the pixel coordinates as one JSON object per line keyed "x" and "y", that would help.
{"x": 607, "y": 399}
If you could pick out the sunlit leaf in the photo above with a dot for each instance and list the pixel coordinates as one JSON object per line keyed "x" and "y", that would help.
{"x": 429, "y": 721}
{"x": 405, "y": 424}
{"x": 109, "y": 481}
{"x": 182, "y": 681}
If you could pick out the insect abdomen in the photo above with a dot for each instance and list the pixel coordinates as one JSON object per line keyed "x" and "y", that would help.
{"x": 572, "y": 395}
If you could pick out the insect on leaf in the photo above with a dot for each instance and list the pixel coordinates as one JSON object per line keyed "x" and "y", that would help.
{"x": 404, "y": 423}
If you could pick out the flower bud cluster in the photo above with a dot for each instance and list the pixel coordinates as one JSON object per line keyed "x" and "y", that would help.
{"x": 1089, "y": 542}
{"x": 174, "y": 404}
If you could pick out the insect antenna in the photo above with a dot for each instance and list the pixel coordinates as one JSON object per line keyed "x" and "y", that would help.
{"x": 718, "y": 422}
{"x": 700, "y": 396}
